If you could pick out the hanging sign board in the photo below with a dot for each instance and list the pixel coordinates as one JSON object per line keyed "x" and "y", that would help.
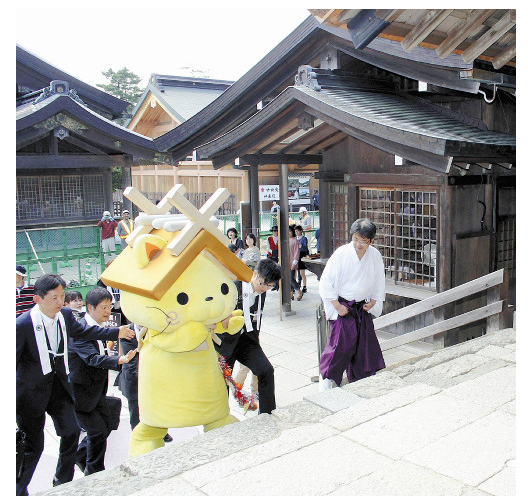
{"x": 269, "y": 192}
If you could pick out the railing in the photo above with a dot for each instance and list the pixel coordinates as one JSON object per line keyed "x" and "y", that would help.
{"x": 80, "y": 272}
{"x": 75, "y": 252}
{"x": 491, "y": 283}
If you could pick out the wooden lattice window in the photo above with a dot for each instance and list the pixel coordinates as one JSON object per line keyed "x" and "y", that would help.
{"x": 56, "y": 197}
{"x": 406, "y": 237}
{"x": 339, "y": 221}
{"x": 506, "y": 244}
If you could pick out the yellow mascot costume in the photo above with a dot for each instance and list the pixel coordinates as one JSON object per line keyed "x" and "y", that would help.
{"x": 176, "y": 279}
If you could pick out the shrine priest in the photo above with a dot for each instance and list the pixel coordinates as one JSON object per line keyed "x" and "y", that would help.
{"x": 352, "y": 288}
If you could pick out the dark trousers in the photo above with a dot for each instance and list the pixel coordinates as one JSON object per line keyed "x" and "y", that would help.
{"x": 60, "y": 409}
{"x": 92, "y": 449}
{"x": 249, "y": 353}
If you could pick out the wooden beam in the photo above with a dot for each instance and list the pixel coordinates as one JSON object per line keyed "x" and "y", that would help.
{"x": 280, "y": 158}
{"x": 389, "y": 15}
{"x": 504, "y": 57}
{"x": 462, "y": 30}
{"x": 85, "y": 146}
{"x": 404, "y": 179}
{"x": 67, "y": 162}
{"x": 485, "y": 165}
{"x": 462, "y": 165}
{"x": 347, "y": 14}
{"x": 322, "y": 14}
{"x": 504, "y": 165}
{"x": 424, "y": 28}
{"x": 500, "y": 28}
{"x": 53, "y": 145}
{"x": 327, "y": 138}
{"x": 282, "y": 137}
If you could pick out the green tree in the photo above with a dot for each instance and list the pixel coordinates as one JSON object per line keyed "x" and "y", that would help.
{"x": 122, "y": 84}
{"x": 117, "y": 178}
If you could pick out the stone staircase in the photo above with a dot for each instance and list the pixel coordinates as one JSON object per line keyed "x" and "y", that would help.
{"x": 438, "y": 425}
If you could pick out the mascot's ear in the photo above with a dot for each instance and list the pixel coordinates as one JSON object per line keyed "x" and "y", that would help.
{"x": 146, "y": 248}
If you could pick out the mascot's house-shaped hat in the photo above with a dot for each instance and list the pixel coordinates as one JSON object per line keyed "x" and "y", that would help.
{"x": 162, "y": 246}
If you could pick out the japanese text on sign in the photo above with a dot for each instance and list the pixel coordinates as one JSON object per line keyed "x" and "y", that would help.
{"x": 269, "y": 192}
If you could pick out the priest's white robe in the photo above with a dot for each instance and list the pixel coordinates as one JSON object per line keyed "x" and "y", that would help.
{"x": 347, "y": 276}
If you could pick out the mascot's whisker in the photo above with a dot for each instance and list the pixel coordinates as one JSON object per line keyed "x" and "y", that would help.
{"x": 168, "y": 318}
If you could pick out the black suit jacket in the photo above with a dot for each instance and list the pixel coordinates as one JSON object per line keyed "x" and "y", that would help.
{"x": 33, "y": 388}
{"x": 88, "y": 372}
{"x": 229, "y": 341}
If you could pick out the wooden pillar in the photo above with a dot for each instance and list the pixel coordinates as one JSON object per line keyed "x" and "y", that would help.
{"x": 254, "y": 199}
{"x": 283, "y": 241}
{"x": 107, "y": 187}
{"x": 324, "y": 218}
{"x": 126, "y": 181}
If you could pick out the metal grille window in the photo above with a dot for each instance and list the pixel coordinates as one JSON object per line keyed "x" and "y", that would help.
{"x": 56, "y": 197}
{"x": 339, "y": 215}
{"x": 406, "y": 232}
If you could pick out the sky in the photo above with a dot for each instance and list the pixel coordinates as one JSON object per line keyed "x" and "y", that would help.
{"x": 85, "y": 42}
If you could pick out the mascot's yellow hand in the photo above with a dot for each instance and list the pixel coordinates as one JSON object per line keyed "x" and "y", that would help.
{"x": 237, "y": 313}
{"x": 235, "y": 324}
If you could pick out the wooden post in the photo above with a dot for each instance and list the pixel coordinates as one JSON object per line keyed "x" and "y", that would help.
{"x": 254, "y": 200}
{"x": 492, "y": 322}
{"x": 284, "y": 253}
{"x": 439, "y": 339}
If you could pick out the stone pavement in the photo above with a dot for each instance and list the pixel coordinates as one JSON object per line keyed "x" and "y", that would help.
{"x": 440, "y": 425}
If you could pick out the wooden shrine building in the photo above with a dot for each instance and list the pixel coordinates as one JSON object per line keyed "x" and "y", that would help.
{"x": 67, "y": 146}
{"x": 423, "y": 145}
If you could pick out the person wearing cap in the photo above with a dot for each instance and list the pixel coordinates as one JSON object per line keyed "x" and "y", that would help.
{"x": 24, "y": 292}
{"x": 108, "y": 226}
{"x": 273, "y": 244}
{"x": 305, "y": 220}
{"x": 125, "y": 227}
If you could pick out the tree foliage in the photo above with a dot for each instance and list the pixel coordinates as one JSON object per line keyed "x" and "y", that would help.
{"x": 122, "y": 84}
{"x": 117, "y": 179}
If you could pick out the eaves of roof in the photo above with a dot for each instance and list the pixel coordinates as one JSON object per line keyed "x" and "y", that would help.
{"x": 407, "y": 127}
{"x": 45, "y": 73}
{"x": 29, "y": 115}
{"x": 243, "y": 95}
{"x": 304, "y": 43}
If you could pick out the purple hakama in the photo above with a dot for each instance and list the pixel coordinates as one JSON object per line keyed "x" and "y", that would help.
{"x": 352, "y": 346}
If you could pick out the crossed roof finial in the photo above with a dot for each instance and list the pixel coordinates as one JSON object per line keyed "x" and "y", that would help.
{"x": 189, "y": 225}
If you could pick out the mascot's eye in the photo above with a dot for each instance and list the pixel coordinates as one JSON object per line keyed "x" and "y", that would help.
{"x": 182, "y": 298}
{"x": 224, "y": 288}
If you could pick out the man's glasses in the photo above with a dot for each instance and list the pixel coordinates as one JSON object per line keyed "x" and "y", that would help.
{"x": 268, "y": 285}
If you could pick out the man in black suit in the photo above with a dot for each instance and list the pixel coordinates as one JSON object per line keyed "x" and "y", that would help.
{"x": 244, "y": 346}
{"x": 41, "y": 376}
{"x": 89, "y": 364}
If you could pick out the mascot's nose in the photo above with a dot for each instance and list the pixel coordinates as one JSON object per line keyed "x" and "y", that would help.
{"x": 209, "y": 298}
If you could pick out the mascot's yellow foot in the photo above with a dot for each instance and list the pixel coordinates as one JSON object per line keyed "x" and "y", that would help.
{"x": 220, "y": 423}
{"x": 145, "y": 438}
